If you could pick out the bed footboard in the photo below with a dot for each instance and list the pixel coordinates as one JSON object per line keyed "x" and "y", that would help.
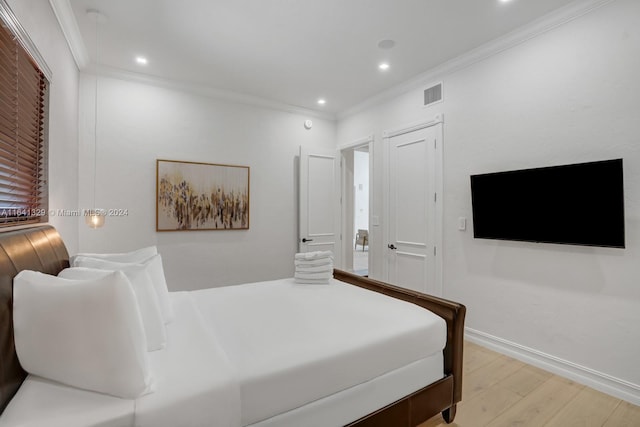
{"x": 439, "y": 397}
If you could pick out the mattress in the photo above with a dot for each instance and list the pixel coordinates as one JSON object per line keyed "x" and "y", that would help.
{"x": 351, "y": 404}
{"x": 294, "y": 344}
{"x": 41, "y": 402}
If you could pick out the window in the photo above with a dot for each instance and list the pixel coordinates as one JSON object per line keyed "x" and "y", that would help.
{"x": 23, "y": 159}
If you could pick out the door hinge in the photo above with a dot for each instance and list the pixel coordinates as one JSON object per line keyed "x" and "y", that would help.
{"x": 435, "y": 197}
{"x": 434, "y": 251}
{"x": 435, "y": 141}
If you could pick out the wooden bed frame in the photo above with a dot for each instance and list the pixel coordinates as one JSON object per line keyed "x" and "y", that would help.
{"x": 439, "y": 397}
{"x": 41, "y": 248}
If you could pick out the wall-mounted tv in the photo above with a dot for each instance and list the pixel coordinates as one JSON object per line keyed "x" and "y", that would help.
{"x": 577, "y": 204}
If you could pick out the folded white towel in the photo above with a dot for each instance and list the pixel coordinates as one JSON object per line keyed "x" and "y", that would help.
{"x": 315, "y": 269}
{"x": 313, "y": 262}
{"x": 313, "y": 281}
{"x": 314, "y": 255}
{"x": 301, "y": 275}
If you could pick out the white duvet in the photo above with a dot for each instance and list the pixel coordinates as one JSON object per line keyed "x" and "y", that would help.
{"x": 248, "y": 354}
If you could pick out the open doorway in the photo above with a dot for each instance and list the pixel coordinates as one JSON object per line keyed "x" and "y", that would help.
{"x": 356, "y": 164}
{"x": 361, "y": 211}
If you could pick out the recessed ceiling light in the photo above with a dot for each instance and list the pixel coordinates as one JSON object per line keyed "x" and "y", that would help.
{"x": 383, "y": 66}
{"x": 386, "y": 44}
{"x": 141, "y": 60}
{"x": 322, "y": 101}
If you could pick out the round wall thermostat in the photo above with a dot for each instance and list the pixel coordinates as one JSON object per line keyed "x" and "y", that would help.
{"x": 308, "y": 124}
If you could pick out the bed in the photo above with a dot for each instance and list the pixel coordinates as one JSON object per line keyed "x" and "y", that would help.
{"x": 268, "y": 369}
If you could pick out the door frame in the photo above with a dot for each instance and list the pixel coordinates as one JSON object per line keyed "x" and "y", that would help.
{"x": 437, "y": 176}
{"x": 345, "y": 229}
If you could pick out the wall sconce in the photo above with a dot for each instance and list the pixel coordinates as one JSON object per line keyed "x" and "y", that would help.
{"x": 95, "y": 219}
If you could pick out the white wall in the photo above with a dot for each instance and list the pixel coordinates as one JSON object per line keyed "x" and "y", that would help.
{"x": 139, "y": 123}
{"x": 39, "y": 21}
{"x": 566, "y": 96}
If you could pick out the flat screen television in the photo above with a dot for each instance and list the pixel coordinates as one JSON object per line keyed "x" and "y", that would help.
{"x": 577, "y": 204}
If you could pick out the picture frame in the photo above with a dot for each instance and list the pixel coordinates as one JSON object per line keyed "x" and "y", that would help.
{"x": 194, "y": 196}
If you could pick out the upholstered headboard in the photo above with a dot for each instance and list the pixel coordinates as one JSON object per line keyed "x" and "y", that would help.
{"x": 37, "y": 248}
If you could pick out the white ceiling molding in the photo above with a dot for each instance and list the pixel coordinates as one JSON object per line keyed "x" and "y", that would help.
{"x": 207, "y": 91}
{"x": 71, "y": 31}
{"x": 67, "y": 20}
{"x": 536, "y": 28}
{"x": 577, "y": 8}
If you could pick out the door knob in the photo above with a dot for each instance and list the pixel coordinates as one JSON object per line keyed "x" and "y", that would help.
{"x": 392, "y": 246}
{"x": 305, "y": 240}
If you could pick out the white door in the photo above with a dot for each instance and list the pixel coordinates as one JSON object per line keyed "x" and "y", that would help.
{"x": 319, "y": 201}
{"x": 413, "y": 218}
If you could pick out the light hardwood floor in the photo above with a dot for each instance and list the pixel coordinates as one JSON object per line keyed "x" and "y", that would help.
{"x": 498, "y": 390}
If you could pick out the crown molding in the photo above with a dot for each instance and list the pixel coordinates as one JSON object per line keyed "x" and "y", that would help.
{"x": 576, "y": 9}
{"x": 11, "y": 21}
{"x": 534, "y": 29}
{"x": 69, "y": 25}
{"x": 203, "y": 90}
{"x": 66, "y": 18}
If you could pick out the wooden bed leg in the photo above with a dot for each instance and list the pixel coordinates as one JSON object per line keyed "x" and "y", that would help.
{"x": 449, "y": 414}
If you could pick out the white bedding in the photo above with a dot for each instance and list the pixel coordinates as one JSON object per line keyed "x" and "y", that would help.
{"x": 311, "y": 355}
{"x": 195, "y": 384}
{"x": 293, "y": 344}
{"x": 195, "y": 381}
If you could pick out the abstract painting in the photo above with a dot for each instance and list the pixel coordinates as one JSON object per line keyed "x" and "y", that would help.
{"x": 201, "y": 196}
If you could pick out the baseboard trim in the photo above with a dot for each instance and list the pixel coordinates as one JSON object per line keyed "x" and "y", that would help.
{"x": 597, "y": 380}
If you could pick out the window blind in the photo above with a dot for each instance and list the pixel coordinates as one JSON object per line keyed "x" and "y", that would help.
{"x": 23, "y": 95}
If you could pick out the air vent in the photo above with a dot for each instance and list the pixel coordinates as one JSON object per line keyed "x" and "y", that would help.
{"x": 433, "y": 94}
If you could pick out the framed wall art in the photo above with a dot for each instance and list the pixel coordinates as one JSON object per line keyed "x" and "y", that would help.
{"x": 201, "y": 196}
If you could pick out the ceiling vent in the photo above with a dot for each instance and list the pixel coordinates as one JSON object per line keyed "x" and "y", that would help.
{"x": 432, "y": 94}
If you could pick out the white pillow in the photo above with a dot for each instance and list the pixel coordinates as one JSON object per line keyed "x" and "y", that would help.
{"x": 138, "y": 255}
{"x": 156, "y": 272}
{"x": 146, "y": 297}
{"x": 83, "y": 333}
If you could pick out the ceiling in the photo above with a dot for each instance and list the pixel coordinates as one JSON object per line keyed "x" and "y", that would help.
{"x": 291, "y": 52}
